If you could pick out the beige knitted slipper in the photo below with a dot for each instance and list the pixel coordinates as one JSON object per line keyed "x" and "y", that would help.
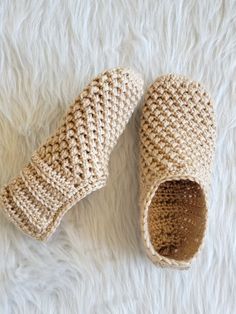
{"x": 74, "y": 161}
{"x": 177, "y": 143}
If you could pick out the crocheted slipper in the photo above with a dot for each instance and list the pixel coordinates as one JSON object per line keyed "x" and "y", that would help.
{"x": 74, "y": 161}
{"x": 177, "y": 143}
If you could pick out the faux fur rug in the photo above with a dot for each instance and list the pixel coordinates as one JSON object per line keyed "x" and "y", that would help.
{"x": 49, "y": 50}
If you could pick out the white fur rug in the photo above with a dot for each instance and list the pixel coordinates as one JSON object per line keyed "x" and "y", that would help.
{"x": 94, "y": 263}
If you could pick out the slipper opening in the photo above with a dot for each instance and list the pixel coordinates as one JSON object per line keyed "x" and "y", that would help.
{"x": 177, "y": 219}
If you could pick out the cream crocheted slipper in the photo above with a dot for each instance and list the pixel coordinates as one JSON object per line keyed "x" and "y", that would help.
{"x": 177, "y": 144}
{"x": 74, "y": 160}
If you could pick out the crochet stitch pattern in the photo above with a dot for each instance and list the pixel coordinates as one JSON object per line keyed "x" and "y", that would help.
{"x": 74, "y": 160}
{"x": 177, "y": 141}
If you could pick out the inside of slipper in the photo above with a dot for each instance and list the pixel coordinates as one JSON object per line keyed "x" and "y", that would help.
{"x": 177, "y": 219}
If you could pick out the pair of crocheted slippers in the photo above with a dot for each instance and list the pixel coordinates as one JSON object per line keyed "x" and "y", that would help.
{"x": 176, "y": 147}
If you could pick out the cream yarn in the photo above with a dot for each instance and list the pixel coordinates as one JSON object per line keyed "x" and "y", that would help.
{"x": 74, "y": 160}
{"x": 176, "y": 146}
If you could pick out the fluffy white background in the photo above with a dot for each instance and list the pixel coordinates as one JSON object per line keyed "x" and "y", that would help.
{"x": 94, "y": 263}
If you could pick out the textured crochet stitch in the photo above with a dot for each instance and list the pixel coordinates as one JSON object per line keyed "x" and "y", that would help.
{"x": 177, "y": 142}
{"x": 74, "y": 160}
